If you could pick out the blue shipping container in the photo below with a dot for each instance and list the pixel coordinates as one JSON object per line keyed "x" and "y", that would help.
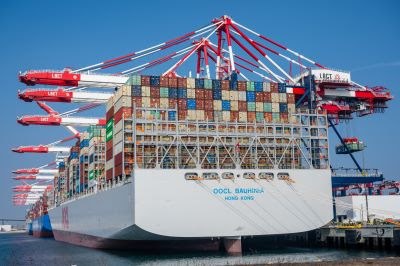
{"x": 171, "y": 115}
{"x": 181, "y": 93}
{"x": 217, "y": 94}
{"x": 191, "y": 104}
{"x": 216, "y": 84}
{"x": 84, "y": 143}
{"x": 233, "y": 85}
{"x": 282, "y": 87}
{"x": 283, "y": 108}
{"x": 172, "y": 93}
{"x": 226, "y": 105}
{"x": 250, "y": 96}
{"x": 199, "y": 83}
{"x": 258, "y": 86}
{"x": 137, "y": 91}
{"x": 154, "y": 81}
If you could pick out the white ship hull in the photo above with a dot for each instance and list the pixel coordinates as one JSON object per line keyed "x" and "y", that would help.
{"x": 162, "y": 205}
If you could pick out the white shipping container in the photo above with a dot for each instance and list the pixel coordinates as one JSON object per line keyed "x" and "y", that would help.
{"x": 275, "y": 107}
{"x": 225, "y": 95}
{"x": 226, "y": 115}
{"x": 291, "y": 108}
{"x": 242, "y": 95}
{"x": 109, "y": 164}
{"x": 124, "y": 90}
{"x": 190, "y": 83}
{"x": 275, "y": 97}
{"x": 118, "y": 136}
{"x": 124, "y": 101}
{"x": 191, "y": 93}
{"x": 234, "y": 105}
{"x": 117, "y": 127}
{"x": 117, "y": 148}
{"x": 110, "y": 103}
{"x": 282, "y": 97}
{"x": 145, "y": 91}
{"x": 267, "y": 86}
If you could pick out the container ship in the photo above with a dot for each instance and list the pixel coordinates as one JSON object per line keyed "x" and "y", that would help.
{"x": 193, "y": 159}
{"x": 183, "y": 162}
{"x": 38, "y": 220}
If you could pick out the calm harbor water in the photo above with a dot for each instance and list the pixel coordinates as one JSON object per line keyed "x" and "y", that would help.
{"x": 22, "y": 249}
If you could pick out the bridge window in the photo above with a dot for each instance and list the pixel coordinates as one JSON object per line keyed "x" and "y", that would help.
{"x": 228, "y": 175}
{"x": 191, "y": 176}
{"x": 249, "y": 175}
{"x": 267, "y": 176}
{"x": 210, "y": 175}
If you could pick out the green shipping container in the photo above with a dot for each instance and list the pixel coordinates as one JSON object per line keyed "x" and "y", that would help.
{"x": 276, "y": 118}
{"x": 109, "y": 135}
{"x": 134, "y": 80}
{"x": 251, "y": 106}
{"x": 250, "y": 86}
{"x": 259, "y": 116}
{"x": 91, "y": 175}
{"x": 164, "y": 92}
{"x": 109, "y": 124}
{"x": 268, "y": 107}
{"x": 208, "y": 83}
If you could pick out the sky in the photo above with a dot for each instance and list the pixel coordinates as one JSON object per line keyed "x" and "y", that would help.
{"x": 359, "y": 36}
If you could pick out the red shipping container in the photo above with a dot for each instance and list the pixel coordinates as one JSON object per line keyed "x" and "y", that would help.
{"x": 172, "y": 82}
{"x": 209, "y": 115}
{"x": 242, "y": 105}
{"x": 242, "y": 86}
{"x": 109, "y": 144}
{"x": 109, "y": 174}
{"x": 75, "y": 149}
{"x": 225, "y": 84}
{"x": 200, "y": 94}
{"x": 284, "y": 118}
{"x": 154, "y": 92}
{"x": 145, "y": 80}
{"x": 163, "y": 82}
{"x": 234, "y": 116}
{"x": 251, "y": 116}
{"x": 200, "y": 104}
{"x": 208, "y": 105}
{"x": 109, "y": 154}
{"x": 172, "y": 103}
{"x": 155, "y": 102}
{"x": 136, "y": 101}
{"x": 208, "y": 95}
{"x": 274, "y": 87}
{"x": 267, "y": 97}
{"x": 110, "y": 113}
{"x": 182, "y": 114}
{"x": 268, "y": 117}
{"x": 259, "y": 96}
{"x": 118, "y": 158}
{"x": 181, "y": 82}
{"x": 182, "y": 104}
{"x": 124, "y": 111}
{"x": 291, "y": 98}
{"x": 117, "y": 170}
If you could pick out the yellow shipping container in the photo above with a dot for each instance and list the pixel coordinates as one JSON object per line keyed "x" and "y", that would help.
{"x": 110, "y": 103}
{"x": 146, "y": 101}
{"x": 190, "y": 83}
{"x": 191, "y": 93}
{"x": 233, "y": 95}
{"x": 217, "y": 105}
{"x": 163, "y": 102}
{"x": 200, "y": 115}
{"x": 282, "y": 97}
{"x": 225, "y": 95}
{"x": 291, "y": 108}
{"x": 275, "y": 97}
{"x": 275, "y": 107}
{"x": 267, "y": 86}
{"x": 226, "y": 115}
{"x": 259, "y": 106}
{"x": 145, "y": 91}
{"x": 124, "y": 90}
{"x": 192, "y": 115}
{"x": 234, "y": 105}
{"x": 242, "y": 116}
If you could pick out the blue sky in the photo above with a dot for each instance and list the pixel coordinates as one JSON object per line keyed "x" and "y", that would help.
{"x": 360, "y": 36}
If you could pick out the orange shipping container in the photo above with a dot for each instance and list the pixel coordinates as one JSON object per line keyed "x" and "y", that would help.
{"x": 109, "y": 174}
{"x": 268, "y": 117}
{"x": 145, "y": 80}
{"x": 110, "y": 113}
{"x": 225, "y": 84}
{"x": 242, "y": 85}
{"x": 251, "y": 116}
{"x": 123, "y": 112}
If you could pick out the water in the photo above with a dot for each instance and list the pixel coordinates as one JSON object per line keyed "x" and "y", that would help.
{"x": 22, "y": 249}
